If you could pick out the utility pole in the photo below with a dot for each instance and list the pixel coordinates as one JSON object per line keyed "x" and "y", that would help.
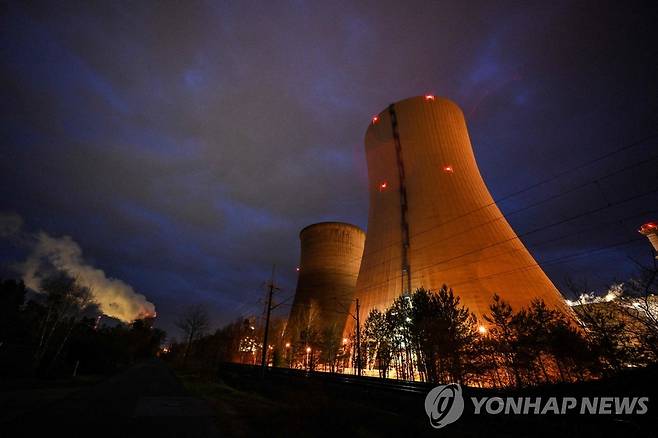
{"x": 357, "y": 318}
{"x": 267, "y": 324}
{"x": 358, "y": 338}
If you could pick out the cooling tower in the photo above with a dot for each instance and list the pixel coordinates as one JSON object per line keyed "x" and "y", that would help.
{"x": 330, "y": 259}
{"x": 432, "y": 220}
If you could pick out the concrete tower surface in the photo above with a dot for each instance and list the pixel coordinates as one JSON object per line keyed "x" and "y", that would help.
{"x": 330, "y": 259}
{"x": 432, "y": 220}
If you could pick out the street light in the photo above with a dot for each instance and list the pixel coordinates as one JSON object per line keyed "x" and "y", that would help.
{"x": 308, "y": 362}
{"x": 288, "y": 355}
{"x": 482, "y": 329}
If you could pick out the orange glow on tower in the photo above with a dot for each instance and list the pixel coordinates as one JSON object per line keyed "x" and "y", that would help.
{"x": 438, "y": 230}
{"x": 331, "y": 255}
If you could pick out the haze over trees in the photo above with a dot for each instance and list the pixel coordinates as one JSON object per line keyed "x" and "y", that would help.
{"x": 57, "y": 333}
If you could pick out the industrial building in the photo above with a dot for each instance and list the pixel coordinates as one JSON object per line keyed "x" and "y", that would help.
{"x": 329, "y": 264}
{"x": 432, "y": 220}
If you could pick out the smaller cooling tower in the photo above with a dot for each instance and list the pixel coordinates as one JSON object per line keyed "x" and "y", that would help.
{"x": 330, "y": 259}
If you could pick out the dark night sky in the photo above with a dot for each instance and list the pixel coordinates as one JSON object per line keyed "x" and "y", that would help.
{"x": 183, "y": 145}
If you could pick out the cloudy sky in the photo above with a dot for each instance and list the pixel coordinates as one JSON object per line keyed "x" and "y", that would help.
{"x": 182, "y": 145}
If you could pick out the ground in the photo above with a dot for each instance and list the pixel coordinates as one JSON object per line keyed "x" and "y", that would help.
{"x": 145, "y": 400}
{"x": 150, "y": 399}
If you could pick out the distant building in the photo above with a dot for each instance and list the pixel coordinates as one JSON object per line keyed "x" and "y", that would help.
{"x": 633, "y": 312}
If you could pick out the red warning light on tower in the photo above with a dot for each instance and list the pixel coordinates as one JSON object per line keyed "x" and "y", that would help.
{"x": 383, "y": 186}
{"x": 435, "y": 143}
{"x": 375, "y": 120}
{"x": 648, "y": 228}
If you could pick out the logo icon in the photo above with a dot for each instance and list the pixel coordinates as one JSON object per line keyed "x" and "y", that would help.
{"x": 444, "y": 405}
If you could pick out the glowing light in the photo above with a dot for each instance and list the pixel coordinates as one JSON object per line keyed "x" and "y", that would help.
{"x": 448, "y": 169}
{"x": 252, "y": 327}
{"x": 297, "y": 269}
{"x": 375, "y": 119}
{"x": 382, "y": 186}
{"x": 344, "y": 341}
{"x": 482, "y": 329}
{"x": 308, "y": 349}
{"x": 287, "y": 344}
{"x": 270, "y": 347}
{"x": 648, "y": 228}
{"x": 429, "y": 97}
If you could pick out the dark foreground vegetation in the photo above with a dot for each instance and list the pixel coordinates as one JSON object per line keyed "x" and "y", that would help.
{"x": 312, "y": 405}
{"x": 430, "y": 336}
{"x": 57, "y": 333}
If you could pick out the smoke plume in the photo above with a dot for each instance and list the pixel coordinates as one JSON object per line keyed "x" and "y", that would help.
{"x": 114, "y": 297}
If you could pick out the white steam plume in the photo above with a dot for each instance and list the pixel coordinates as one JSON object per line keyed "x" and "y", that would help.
{"x": 114, "y": 297}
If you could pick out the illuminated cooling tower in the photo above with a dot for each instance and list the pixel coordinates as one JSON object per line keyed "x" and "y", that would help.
{"x": 330, "y": 259}
{"x": 432, "y": 220}
{"x": 650, "y": 230}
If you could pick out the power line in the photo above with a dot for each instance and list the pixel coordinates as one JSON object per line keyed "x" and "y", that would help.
{"x": 575, "y": 168}
{"x": 538, "y": 229}
{"x": 555, "y": 239}
{"x": 527, "y": 233}
{"x": 528, "y": 207}
{"x": 554, "y": 261}
{"x": 556, "y": 176}
{"x": 535, "y": 204}
{"x": 517, "y": 237}
{"x": 530, "y": 266}
{"x": 430, "y": 265}
{"x": 553, "y": 197}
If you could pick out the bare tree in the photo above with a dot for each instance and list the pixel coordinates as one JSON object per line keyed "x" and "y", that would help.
{"x": 193, "y": 323}
{"x": 67, "y": 301}
{"x": 639, "y": 303}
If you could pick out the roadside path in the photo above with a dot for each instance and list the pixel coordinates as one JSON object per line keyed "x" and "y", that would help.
{"x": 145, "y": 400}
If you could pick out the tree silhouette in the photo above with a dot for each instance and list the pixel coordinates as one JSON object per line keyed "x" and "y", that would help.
{"x": 193, "y": 323}
{"x": 377, "y": 341}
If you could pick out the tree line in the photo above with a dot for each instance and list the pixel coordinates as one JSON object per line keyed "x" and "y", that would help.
{"x": 57, "y": 333}
{"x": 431, "y": 336}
